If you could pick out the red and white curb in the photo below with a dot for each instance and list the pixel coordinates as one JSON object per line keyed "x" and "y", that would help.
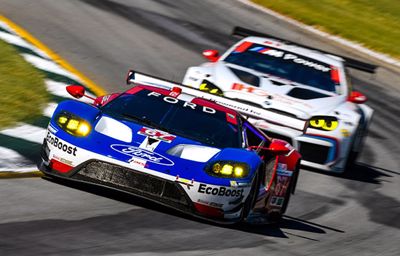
{"x": 10, "y": 160}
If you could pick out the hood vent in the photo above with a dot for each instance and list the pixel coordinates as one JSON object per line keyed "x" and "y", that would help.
{"x": 275, "y": 82}
{"x": 246, "y": 77}
{"x": 306, "y": 94}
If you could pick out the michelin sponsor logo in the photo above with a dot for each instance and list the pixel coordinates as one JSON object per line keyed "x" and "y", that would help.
{"x": 220, "y": 191}
{"x": 54, "y": 141}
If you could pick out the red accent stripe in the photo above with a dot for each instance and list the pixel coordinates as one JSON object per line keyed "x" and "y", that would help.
{"x": 139, "y": 88}
{"x": 59, "y": 166}
{"x": 243, "y": 46}
{"x": 208, "y": 210}
{"x": 206, "y": 103}
{"x": 231, "y": 118}
{"x": 335, "y": 74}
{"x": 273, "y": 174}
{"x": 264, "y": 50}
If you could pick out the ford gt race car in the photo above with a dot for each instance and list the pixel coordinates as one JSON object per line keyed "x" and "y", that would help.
{"x": 307, "y": 94}
{"x": 173, "y": 148}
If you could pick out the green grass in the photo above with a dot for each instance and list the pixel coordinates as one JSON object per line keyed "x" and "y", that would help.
{"x": 22, "y": 91}
{"x": 374, "y": 24}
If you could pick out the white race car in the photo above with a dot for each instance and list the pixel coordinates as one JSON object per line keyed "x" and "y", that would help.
{"x": 306, "y": 93}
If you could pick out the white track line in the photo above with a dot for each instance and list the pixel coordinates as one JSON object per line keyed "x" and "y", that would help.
{"x": 342, "y": 41}
{"x": 5, "y": 26}
{"x": 18, "y": 41}
{"x": 26, "y": 132}
{"x": 12, "y": 161}
{"x": 48, "y": 65}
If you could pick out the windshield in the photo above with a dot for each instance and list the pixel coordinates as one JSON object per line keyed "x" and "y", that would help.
{"x": 284, "y": 64}
{"x": 185, "y": 119}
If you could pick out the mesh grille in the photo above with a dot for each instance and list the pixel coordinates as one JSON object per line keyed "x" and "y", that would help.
{"x": 314, "y": 153}
{"x": 135, "y": 182}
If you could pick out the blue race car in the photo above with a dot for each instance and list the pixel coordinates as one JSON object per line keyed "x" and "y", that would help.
{"x": 173, "y": 148}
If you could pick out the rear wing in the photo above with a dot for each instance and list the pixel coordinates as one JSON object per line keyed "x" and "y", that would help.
{"x": 246, "y": 110}
{"x": 349, "y": 62}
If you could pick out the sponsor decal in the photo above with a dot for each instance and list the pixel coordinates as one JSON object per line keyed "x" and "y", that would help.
{"x": 249, "y": 89}
{"x": 188, "y": 183}
{"x": 220, "y": 191}
{"x": 281, "y": 186}
{"x": 282, "y": 166}
{"x": 150, "y": 144}
{"x": 235, "y": 184}
{"x": 213, "y": 204}
{"x": 140, "y": 153}
{"x": 345, "y": 133}
{"x": 239, "y": 108}
{"x": 262, "y": 93}
{"x": 272, "y": 43}
{"x": 185, "y": 104}
{"x": 291, "y": 57}
{"x": 284, "y": 172}
{"x": 156, "y": 134}
{"x": 137, "y": 162}
{"x": 105, "y": 99}
{"x": 62, "y": 160}
{"x": 52, "y": 129}
{"x": 277, "y": 201}
{"x": 193, "y": 78}
{"x": 55, "y": 141}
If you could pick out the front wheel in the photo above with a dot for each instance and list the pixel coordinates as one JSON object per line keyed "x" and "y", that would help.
{"x": 251, "y": 199}
{"x": 276, "y": 216}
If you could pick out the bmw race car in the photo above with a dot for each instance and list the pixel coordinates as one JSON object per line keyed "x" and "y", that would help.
{"x": 307, "y": 94}
{"x": 173, "y": 148}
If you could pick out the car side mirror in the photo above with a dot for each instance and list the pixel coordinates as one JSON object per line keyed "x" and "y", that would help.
{"x": 357, "y": 97}
{"x": 277, "y": 147}
{"x": 78, "y": 91}
{"x": 211, "y": 55}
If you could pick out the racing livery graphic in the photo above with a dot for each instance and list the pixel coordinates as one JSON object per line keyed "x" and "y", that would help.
{"x": 305, "y": 92}
{"x": 174, "y": 148}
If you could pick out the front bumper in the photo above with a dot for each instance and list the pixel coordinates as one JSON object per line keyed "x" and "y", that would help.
{"x": 318, "y": 151}
{"x": 162, "y": 191}
{"x": 127, "y": 180}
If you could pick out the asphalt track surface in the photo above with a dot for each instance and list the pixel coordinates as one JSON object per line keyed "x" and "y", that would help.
{"x": 353, "y": 215}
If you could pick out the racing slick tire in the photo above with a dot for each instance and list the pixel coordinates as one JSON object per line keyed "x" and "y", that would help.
{"x": 354, "y": 149}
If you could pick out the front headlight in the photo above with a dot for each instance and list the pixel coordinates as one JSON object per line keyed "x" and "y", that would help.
{"x": 326, "y": 123}
{"x": 228, "y": 169}
{"x": 209, "y": 87}
{"x": 73, "y": 124}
